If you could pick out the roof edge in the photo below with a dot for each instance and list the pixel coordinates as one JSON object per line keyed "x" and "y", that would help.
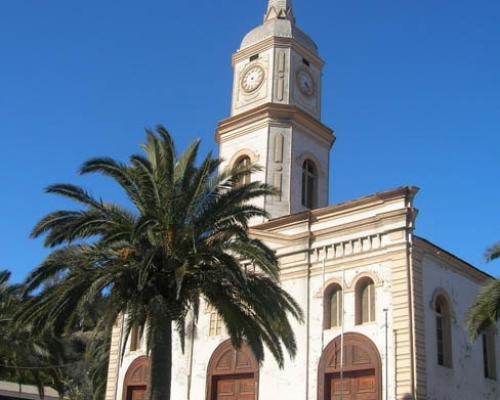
{"x": 441, "y": 251}
{"x": 406, "y": 191}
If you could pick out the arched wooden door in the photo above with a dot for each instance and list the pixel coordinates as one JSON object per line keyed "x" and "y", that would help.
{"x": 232, "y": 374}
{"x": 361, "y": 377}
{"x": 136, "y": 380}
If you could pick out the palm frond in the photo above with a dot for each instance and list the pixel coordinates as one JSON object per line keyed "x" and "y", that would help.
{"x": 485, "y": 311}
{"x": 493, "y": 252}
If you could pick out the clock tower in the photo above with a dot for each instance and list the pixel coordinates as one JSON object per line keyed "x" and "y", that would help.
{"x": 276, "y": 111}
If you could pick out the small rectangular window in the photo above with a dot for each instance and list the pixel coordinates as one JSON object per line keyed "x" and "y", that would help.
{"x": 254, "y": 57}
{"x": 336, "y": 308}
{"x": 215, "y": 328}
{"x": 306, "y": 62}
{"x": 440, "y": 344}
{"x": 135, "y": 338}
{"x": 489, "y": 361}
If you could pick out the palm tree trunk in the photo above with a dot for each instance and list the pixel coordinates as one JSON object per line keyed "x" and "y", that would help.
{"x": 160, "y": 376}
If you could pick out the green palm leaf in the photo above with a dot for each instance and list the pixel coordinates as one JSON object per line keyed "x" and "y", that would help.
{"x": 183, "y": 242}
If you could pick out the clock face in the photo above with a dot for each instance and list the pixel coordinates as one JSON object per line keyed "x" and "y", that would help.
{"x": 252, "y": 79}
{"x": 305, "y": 82}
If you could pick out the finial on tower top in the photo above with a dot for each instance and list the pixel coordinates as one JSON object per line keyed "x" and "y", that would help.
{"x": 279, "y": 9}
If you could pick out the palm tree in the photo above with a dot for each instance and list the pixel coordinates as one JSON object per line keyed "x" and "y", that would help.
{"x": 74, "y": 364}
{"x": 486, "y": 308}
{"x": 182, "y": 241}
{"x": 493, "y": 252}
{"x": 26, "y": 356}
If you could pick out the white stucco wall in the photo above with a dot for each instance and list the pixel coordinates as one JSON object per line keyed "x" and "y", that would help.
{"x": 291, "y": 382}
{"x": 466, "y": 379}
{"x": 375, "y": 331}
{"x": 253, "y": 142}
{"x": 310, "y": 104}
{"x": 306, "y": 145}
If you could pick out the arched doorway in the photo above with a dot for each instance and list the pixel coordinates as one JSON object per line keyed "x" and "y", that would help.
{"x": 232, "y": 374}
{"x": 136, "y": 380}
{"x": 362, "y": 379}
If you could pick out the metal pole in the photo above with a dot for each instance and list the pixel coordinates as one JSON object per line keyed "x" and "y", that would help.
{"x": 323, "y": 302}
{"x": 342, "y": 341}
{"x": 121, "y": 352}
{"x": 191, "y": 353}
{"x": 386, "y": 311}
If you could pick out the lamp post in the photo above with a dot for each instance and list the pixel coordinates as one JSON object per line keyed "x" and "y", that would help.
{"x": 386, "y": 311}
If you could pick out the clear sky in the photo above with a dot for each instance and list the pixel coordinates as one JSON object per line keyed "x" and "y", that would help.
{"x": 412, "y": 89}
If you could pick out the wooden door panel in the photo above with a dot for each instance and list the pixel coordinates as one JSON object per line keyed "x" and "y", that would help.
{"x": 136, "y": 393}
{"x": 246, "y": 387}
{"x": 366, "y": 386}
{"x": 359, "y": 385}
{"x": 226, "y": 389}
{"x": 235, "y": 388}
{"x": 337, "y": 389}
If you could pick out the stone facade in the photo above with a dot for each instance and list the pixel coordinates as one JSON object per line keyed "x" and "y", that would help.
{"x": 388, "y": 277}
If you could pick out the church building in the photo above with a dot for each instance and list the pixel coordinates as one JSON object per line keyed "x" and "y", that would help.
{"x": 384, "y": 308}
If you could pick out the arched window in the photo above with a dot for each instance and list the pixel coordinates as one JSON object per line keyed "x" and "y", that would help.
{"x": 443, "y": 331}
{"x": 365, "y": 301}
{"x": 244, "y": 162}
{"x": 332, "y": 306}
{"x": 309, "y": 184}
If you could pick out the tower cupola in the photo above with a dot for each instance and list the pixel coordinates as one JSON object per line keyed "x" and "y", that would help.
{"x": 279, "y": 22}
{"x": 275, "y": 117}
{"x": 279, "y": 9}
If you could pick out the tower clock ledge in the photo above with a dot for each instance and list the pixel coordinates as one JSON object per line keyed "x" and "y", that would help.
{"x": 280, "y": 113}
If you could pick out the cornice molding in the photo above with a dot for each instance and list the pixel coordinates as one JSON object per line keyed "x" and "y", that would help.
{"x": 349, "y": 207}
{"x": 294, "y": 271}
{"x": 279, "y": 112}
{"x": 275, "y": 42}
{"x": 450, "y": 260}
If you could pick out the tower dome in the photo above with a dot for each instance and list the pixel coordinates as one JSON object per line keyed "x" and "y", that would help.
{"x": 279, "y": 22}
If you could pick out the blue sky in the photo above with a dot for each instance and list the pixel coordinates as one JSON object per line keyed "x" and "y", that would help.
{"x": 412, "y": 89}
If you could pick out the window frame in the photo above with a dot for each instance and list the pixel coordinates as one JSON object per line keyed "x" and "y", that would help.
{"x": 489, "y": 354}
{"x": 215, "y": 324}
{"x": 332, "y": 290}
{"x": 309, "y": 187}
{"x": 244, "y": 161}
{"x": 135, "y": 338}
{"x": 370, "y": 315}
{"x": 443, "y": 331}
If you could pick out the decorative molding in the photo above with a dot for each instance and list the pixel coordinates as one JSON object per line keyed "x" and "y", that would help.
{"x": 350, "y": 247}
{"x": 299, "y": 271}
{"x": 277, "y": 42}
{"x": 419, "y": 336}
{"x": 346, "y": 208}
{"x": 271, "y": 111}
{"x": 441, "y": 292}
{"x": 279, "y": 141}
{"x": 281, "y": 72}
{"x": 373, "y": 276}
{"x": 451, "y": 261}
{"x": 254, "y": 158}
{"x": 320, "y": 294}
{"x": 308, "y": 155}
